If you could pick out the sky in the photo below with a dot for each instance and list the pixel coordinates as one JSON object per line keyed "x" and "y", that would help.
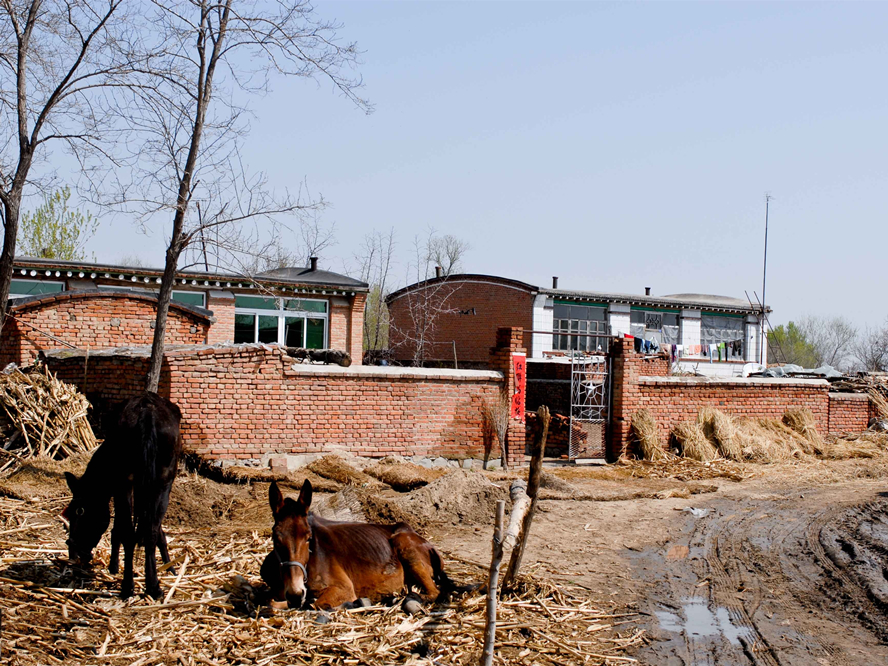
{"x": 615, "y": 145}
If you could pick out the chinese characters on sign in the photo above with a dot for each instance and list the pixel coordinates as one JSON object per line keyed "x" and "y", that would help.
{"x": 519, "y": 365}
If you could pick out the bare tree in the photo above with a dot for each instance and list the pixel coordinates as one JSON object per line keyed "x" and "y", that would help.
{"x": 56, "y": 56}
{"x": 316, "y": 236}
{"x": 871, "y": 349}
{"x": 375, "y": 258}
{"x": 186, "y": 128}
{"x": 832, "y": 340}
{"x": 447, "y": 252}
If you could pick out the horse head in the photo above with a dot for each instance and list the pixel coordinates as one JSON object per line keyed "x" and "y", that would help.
{"x": 87, "y": 516}
{"x": 291, "y": 536}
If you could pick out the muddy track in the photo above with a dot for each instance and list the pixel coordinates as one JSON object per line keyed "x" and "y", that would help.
{"x": 776, "y": 579}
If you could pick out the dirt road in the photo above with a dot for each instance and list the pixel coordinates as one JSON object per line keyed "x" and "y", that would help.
{"x": 767, "y": 571}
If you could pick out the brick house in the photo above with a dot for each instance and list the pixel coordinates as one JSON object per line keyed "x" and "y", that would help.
{"x": 78, "y": 304}
{"x": 457, "y": 316}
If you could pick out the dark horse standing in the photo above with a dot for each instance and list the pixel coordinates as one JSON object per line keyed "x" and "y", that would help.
{"x": 135, "y": 466}
{"x": 338, "y": 563}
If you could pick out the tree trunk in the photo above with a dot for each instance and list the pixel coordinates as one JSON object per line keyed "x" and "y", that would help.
{"x": 492, "y": 584}
{"x": 11, "y": 212}
{"x": 163, "y": 307}
{"x": 533, "y": 486}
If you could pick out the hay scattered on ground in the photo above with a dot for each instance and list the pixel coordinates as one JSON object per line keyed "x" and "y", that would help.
{"x": 801, "y": 420}
{"x": 404, "y": 476}
{"x": 867, "y": 444}
{"x": 42, "y": 417}
{"x": 646, "y": 434}
{"x": 719, "y": 428}
{"x": 684, "y": 469}
{"x": 213, "y": 612}
{"x": 692, "y": 443}
{"x": 335, "y": 468}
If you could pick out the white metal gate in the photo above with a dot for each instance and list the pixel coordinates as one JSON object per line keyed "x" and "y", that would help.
{"x": 589, "y": 405}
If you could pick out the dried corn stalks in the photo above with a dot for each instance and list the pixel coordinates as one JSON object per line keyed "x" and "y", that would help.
{"x": 49, "y": 416}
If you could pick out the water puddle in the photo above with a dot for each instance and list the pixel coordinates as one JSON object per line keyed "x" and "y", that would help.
{"x": 700, "y": 622}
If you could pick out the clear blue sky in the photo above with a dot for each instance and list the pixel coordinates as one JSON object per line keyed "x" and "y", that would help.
{"x": 617, "y": 146}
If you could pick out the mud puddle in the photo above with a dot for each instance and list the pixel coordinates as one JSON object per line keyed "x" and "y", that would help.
{"x": 700, "y": 622}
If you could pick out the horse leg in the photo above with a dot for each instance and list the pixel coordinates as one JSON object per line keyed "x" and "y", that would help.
{"x": 161, "y": 535}
{"x": 413, "y": 553}
{"x": 152, "y": 584}
{"x": 114, "y": 562}
{"x": 340, "y": 592}
{"x": 127, "y": 537}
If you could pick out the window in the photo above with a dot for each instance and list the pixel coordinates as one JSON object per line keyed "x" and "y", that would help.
{"x": 580, "y": 319}
{"x": 197, "y": 298}
{"x": 717, "y": 329}
{"x": 662, "y": 326}
{"x": 22, "y": 288}
{"x": 292, "y": 322}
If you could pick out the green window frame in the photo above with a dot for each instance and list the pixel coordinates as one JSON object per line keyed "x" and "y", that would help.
{"x": 290, "y": 322}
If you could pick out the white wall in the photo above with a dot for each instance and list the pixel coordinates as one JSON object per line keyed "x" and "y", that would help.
{"x": 618, "y": 318}
{"x": 543, "y": 320}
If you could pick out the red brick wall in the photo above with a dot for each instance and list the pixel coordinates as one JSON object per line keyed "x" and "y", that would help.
{"x": 93, "y": 320}
{"x": 223, "y": 311}
{"x": 495, "y": 304}
{"x": 848, "y": 412}
{"x": 246, "y": 401}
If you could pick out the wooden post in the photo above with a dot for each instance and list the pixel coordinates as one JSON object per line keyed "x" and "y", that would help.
{"x": 533, "y": 486}
{"x": 493, "y": 583}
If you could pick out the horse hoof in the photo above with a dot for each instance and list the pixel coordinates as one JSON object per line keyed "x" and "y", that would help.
{"x": 113, "y": 568}
{"x": 411, "y": 606}
{"x": 126, "y": 591}
{"x": 154, "y": 592}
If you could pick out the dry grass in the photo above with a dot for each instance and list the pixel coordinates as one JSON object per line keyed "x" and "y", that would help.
{"x": 336, "y": 469}
{"x": 692, "y": 442}
{"x": 214, "y": 613}
{"x": 646, "y": 433}
{"x": 720, "y": 429}
{"x": 404, "y": 476}
{"x": 801, "y": 420}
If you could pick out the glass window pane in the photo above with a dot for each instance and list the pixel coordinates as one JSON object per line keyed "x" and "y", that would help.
{"x": 268, "y": 329}
{"x": 189, "y": 297}
{"x": 244, "y": 328}
{"x": 670, "y": 319}
{"x": 579, "y": 312}
{"x": 298, "y": 304}
{"x": 34, "y": 287}
{"x": 598, "y": 314}
{"x": 255, "y": 302}
{"x": 294, "y": 332}
{"x": 314, "y": 333}
{"x": 561, "y": 311}
{"x": 636, "y": 316}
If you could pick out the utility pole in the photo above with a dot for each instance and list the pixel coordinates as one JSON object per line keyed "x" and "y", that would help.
{"x": 764, "y": 282}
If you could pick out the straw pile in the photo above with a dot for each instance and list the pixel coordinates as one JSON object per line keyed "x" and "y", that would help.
{"x": 646, "y": 434}
{"x": 49, "y": 417}
{"x": 213, "y": 612}
{"x": 719, "y": 428}
{"x": 802, "y": 421}
{"x": 767, "y": 441}
{"x": 692, "y": 442}
{"x": 336, "y": 469}
{"x": 404, "y": 476}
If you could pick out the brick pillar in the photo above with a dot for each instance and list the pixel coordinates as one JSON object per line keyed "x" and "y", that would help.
{"x": 356, "y": 329}
{"x": 509, "y": 340}
{"x": 222, "y": 305}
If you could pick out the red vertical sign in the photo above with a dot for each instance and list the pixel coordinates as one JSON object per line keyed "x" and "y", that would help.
{"x": 519, "y": 366}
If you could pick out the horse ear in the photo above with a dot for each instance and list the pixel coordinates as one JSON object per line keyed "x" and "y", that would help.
{"x": 305, "y": 495}
{"x": 275, "y": 498}
{"x": 73, "y": 482}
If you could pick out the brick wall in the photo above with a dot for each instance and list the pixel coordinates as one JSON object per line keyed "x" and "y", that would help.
{"x": 466, "y": 310}
{"x": 641, "y": 382}
{"x": 848, "y": 412}
{"x": 94, "y": 320}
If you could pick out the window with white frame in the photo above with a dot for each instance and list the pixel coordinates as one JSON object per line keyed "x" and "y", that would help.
{"x": 292, "y": 322}
{"x": 659, "y": 325}
{"x": 584, "y": 322}
{"x": 22, "y": 288}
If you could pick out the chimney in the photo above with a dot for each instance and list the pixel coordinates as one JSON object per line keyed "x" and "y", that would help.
{"x": 647, "y": 291}
{"x": 554, "y": 282}
{"x": 314, "y": 263}
{"x": 439, "y": 272}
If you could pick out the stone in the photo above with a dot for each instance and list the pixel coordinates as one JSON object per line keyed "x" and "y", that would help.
{"x": 439, "y": 462}
{"x": 467, "y": 463}
{"x": 411, "y": 606}
{"x": 321, "y": 618}
{"x": 364, "y": 602}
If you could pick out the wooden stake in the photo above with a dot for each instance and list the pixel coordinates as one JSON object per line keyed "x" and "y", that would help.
{"x": 533, "y": 486}
{"x": 492, "y": 584}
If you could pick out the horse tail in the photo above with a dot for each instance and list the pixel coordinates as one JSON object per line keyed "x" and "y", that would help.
{"x": 146, "y": 498}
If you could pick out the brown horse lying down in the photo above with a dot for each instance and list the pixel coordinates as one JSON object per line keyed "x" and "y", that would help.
{"x": 338, "y": 563}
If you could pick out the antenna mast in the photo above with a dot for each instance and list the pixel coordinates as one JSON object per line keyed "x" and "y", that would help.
{"x": 764, "y": 282}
